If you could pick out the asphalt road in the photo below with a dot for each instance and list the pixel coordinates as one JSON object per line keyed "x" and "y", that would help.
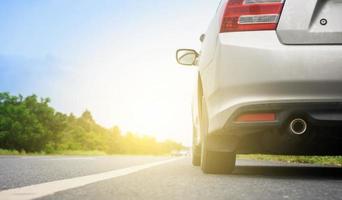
{"x": 176, "y": 179}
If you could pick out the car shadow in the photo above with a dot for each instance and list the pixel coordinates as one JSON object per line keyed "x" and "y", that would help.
{"x": 314, "y": 172}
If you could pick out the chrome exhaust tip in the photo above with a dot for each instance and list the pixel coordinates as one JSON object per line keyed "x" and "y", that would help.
{"x": 298, "y": 126}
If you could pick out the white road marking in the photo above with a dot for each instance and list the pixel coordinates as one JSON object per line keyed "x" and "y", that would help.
{"x": 61, "y": 159}
{"x": 57, "y": 158}
{"x": 49, "y": 188}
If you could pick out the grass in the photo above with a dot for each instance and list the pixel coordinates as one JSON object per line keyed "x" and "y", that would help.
{"x": 59, "y": 153}
{"x": 9, "y": 152}
{"x": 69, "y": 153}
{"x": 322, "y": 160}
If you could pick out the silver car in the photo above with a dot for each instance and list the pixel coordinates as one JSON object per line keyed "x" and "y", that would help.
{"x": 269, "y": 81}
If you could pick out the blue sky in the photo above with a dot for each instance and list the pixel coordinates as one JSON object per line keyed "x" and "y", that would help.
{"x": 113, "y": 57}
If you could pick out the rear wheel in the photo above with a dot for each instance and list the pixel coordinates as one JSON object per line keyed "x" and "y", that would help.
{"x": 214, "y": 162}
{"x": 196, "y": 155}
{"x": 196, "y": 149}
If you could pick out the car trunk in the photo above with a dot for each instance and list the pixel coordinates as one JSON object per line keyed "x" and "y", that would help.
{"x": 311, "y": 22}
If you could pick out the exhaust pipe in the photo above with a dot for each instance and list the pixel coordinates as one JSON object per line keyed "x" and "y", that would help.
{"x": 298, "y": 126}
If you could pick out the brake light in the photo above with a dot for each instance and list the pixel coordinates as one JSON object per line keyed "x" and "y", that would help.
{"x": 251, "y": 15}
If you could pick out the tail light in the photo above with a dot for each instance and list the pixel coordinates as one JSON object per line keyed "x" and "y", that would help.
{"x": 251, "y": 15}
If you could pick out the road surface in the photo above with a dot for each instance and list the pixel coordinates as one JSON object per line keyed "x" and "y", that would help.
{"x": 163, "y": 178}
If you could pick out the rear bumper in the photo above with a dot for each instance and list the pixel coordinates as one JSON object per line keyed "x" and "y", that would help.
{"x": 254, "y": 68}
{"x": 322, "y": 137}
{"x": 315, "y": 114}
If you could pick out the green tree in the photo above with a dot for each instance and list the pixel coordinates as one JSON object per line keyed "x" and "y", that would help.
{"x": 30, "y": 124}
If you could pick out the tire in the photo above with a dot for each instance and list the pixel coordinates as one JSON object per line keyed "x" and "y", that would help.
{"x": 196, "y": 155}
{"x": 196, "y": 149}
{"x": 214, "y": 162}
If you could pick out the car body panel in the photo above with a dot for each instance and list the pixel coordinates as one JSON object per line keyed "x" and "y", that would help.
{"x": 252, "y": 67}
{"x": 311, "y": 22}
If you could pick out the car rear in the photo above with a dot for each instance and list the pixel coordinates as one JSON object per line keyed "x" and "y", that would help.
{"x": 276, "y": 57}
{"x": 276, "y": 63}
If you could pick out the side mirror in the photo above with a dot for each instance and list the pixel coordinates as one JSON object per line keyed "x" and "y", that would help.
{"x": 187, "y": 57}
{"x": 202, "y": 38}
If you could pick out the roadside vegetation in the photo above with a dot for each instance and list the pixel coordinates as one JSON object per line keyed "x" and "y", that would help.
{"x": 323, "y": 160}
{"x": 29, "y": 125}
{"x": 10, "y": 152}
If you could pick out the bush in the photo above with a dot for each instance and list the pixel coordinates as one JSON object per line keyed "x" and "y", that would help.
{"x": 31, "y": 125}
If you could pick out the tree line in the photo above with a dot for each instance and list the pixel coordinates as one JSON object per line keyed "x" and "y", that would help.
{"x": 30, "y": 124}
